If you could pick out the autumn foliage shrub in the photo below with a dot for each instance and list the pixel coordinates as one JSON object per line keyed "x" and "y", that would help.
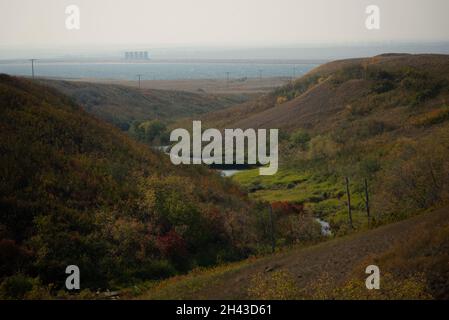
{"x": 75, "y": 190}
{"x": 416, "y": 178}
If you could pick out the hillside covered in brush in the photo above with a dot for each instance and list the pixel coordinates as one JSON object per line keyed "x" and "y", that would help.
{"x": 143, "y": 113}
{"x": 324, "y": 97}
{"x": 76, "y": 190}
{"x": 384, "y": 119}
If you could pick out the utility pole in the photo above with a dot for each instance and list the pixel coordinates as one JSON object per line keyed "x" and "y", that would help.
{"x": 32, "y": 67}
{"x": 139, "y": 76}
{"x": 273, "y": 241}
{"x": 349, "y": 202}
{"x": 367, "y": 202}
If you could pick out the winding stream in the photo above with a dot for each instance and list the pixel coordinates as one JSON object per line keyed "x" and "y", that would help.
{"x": 325, "y": 226}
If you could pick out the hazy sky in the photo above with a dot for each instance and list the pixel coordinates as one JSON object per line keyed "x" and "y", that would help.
{"x": 220, "y": 22}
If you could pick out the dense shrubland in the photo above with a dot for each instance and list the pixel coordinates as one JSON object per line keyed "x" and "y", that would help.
{"x": 75, "y": 190}
{"x": 122, "y": 105}
{"x": 389, "y": 125}
{"x": 151, "y": 132}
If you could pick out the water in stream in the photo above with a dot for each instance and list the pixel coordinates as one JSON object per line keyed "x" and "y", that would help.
{"x": 325, "y": 226}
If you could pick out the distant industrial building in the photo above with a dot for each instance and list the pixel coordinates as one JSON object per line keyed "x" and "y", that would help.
{"x": 136, "y": 55}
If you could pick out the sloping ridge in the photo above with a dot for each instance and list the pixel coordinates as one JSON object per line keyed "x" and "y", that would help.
{"x": 75, "y": 189}
{"x": 324, "y": 99}
{"x": 341, "y": 257}
{"x": 121, "y": 105}
{"x": 422, "y": 238}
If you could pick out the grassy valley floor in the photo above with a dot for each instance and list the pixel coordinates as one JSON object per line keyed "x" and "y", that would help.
{"x": 324, "y": 197}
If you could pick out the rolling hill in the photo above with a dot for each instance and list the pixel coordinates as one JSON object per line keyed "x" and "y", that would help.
{"x": 327, "y": 95}
{"x": 383, "y": 119}
{"x": 411, "y": 255}
{"x": 381, "y": 122}
{"x": 77, "y": 190}
{"x": 121, "y": 105}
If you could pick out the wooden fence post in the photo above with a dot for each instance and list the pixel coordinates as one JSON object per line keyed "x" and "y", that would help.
{"x": 273, "y": 241}
{"x": 349, "y": 202}
{"x": 367, "y": 202}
